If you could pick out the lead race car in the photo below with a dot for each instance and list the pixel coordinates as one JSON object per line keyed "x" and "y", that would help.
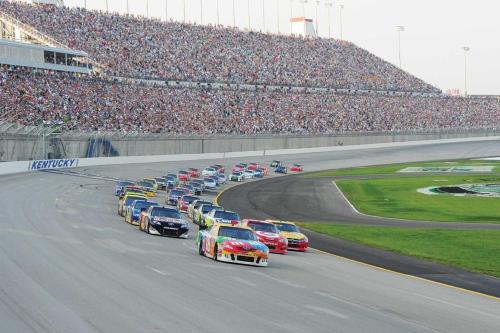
{"x": 232, "y": 243}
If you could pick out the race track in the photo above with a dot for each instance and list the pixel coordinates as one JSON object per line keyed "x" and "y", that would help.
{"x": 68, "y": 263}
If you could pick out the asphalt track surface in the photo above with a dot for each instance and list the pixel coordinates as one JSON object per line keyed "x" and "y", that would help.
{"x": 68, "y": 263}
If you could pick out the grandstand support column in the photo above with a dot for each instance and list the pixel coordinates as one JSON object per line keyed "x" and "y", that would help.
{"x": 166, "y": 10}
{"x": 128, "y": 8}
{"x": 184, "y": 11}
{"x": 291, "y": 16}
{"x": 218, "y": 13}
{"x": 341, "y": 9}
{"x": 317, "y": 5}
{"x": 248, "y": 13}
{"x": 277, "y": 15}
{"x": 107, "y": 6}
{"x": 147, "y": 8}
{"x": 201, "y": 12}
{"x": 399, "y": 29}
{"x": 263, "y": 16}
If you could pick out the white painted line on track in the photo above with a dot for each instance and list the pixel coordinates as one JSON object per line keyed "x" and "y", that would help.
{"x": 326, "y": 311}
{"x": 281, "y": 281}
{"x": 244, "y": 281}
{"x": 466, "y": 308}
{"x": 157, "y": 270}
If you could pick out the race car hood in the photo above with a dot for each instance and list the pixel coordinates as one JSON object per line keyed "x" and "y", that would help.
{"x": 292, "y": 235}
{"x": 166, "y": 219}
{"x": 242, "y": 245}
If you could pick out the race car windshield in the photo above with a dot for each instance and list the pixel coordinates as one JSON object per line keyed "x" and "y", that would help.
{"x": 177, "y": 192}
{"x": 206, "y": 208}
{"x": 226, "y": 216}
{"x": 130, "y": 200}
{"x": 165, "y": 212}
{"x": 125, "y": 183}
{"x": 265, "y": 227}
{"x": 199, "y": 203}
{"x": 144, "y": 204}
{"x": 189, "y": 199}
{"x": 145, "y": 184}
{"x": 237, "y": 233}
{"x": 237, "y": 173}
{"x": 287, "y": 227}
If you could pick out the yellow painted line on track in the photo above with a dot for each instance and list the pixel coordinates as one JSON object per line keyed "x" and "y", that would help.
{"x": 216, "y": 201}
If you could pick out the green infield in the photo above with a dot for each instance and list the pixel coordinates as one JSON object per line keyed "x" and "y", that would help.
{"x": 473, "y": 250}
{"x": 397, "y": 197}
{"x": 393, "y": 168}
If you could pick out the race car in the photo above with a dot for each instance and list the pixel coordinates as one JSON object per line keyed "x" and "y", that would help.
{"x": 238, "y": 168}
{"x": 120, "y": 186}
{"x": 193, "y": 206}
{"x": 131, "y": 189}
{"x": 184, "y": 201}
{"x": 197, "y": 187}
{"x": 164, "y": 221}
{"x": 152, "y": 181}
{"x": 257, "y": 173}
{"x": 264, "y": 169}
{"x": 183, "y": 176}
{"x": 189, "y": 188}
{"x": 199, "y": 214}
{"x": 281, "y": 169}
{"x": 275, "y": 163}
{"x": 222, "y": 178}
{"x": 210, "y": 183}
{"x": 296, "y": 168}
{"x": 220, "y": 168}
{"x": 209, "y": 172}
{"x": 219, "y": 216}
{"x": 127, "y": 200}
{"x": 172, "y": 178}
{"x": 296, "y": 240}
{"x": 162, "y": 183}
{"x": 253, "y": 166}
{"x": 147, "y": 187}
{"x": 134, "y": 211}
{"x": 193, "y": 172}
{"x": 248, "y": 174}
{"x": 232, "y": 243}
{"x": 236, "y": 176}
{"x": 174, "y": 195}
{"x": 268, "y": 234}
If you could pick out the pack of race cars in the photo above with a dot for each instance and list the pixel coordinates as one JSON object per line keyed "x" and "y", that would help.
{"x": 222, "y": 234}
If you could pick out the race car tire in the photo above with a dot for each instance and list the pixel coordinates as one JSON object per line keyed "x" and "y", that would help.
{"x": 146, "y": 228}
{"x": 215, "y": 253}
{"x": 200, "y": 248}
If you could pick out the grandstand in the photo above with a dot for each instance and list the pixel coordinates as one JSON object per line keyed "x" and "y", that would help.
{"x": 177, "y": 78}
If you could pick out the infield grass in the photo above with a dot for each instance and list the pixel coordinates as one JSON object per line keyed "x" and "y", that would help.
{"x": 393, "y": 168}
{"x": 397, "y": 197}
{"x": 473, "y": 250}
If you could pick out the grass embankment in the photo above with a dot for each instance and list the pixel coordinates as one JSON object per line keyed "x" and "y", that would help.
{"x": 393, "y": 168}
{"x": 473, "y": 250}
{"x": 397, "y": 197}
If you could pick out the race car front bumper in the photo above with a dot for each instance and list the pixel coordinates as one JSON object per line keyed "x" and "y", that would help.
{"x": 242, "y": 259}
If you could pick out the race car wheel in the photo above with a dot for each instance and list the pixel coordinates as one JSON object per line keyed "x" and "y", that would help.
{"x": 200, "y": 248}
{"x": 215, "y": 252}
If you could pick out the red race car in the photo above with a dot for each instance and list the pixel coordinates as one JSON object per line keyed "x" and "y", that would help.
{"x": 296, "y": 168}
{"x": 194, "y": 173}
{"x": 184, "y": 201}
{"x": 268, "y": 234}
{"x": 238, "y": 168}
{"x": 183, "y": 176}
{"x": 252, "y": 166}
{"x": 264, "y": 169}
{"x": 220, "y": 168}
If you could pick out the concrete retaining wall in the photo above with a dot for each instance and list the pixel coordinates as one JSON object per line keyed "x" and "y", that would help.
{"x": 18, "y": 147}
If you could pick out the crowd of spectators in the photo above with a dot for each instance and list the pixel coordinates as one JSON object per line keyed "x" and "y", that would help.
{"x": 89, "y": 104}
{"x": 148, "y": 48}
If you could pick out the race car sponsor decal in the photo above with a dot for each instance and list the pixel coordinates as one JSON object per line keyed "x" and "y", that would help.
{"x": 53, "y": 164}
{"x": 166, "y": 219}
{"x": 267, "y": 234}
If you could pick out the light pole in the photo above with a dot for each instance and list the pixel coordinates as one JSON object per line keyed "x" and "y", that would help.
{"x": 263, "y": 17}
{"x": 303, "y": 7}
{"x": 291, "y": 16}
{"x": 234, "y": 15}
{"x": 107, "y": 6}
{"x": 317, "y": 4}
{"x": 166, "y": 10}
{"x": 278, "y": 15}
{"x": 466, "y": 49}
{"x": 147, "y": 8}
{"x": 128, "y": 12}
{"x": 184, "y": 11}
{"x": 248, "y": 12}
{"x": 85, "y": 4}
{"x": 218, "y": 18}
{"x": 399, "y": 29}
{"x": 341, "y": 8}
{"x": 329, "y": 5}
{"x": 201, "y": 12}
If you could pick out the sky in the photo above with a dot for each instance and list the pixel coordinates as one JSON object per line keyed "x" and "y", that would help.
{"x": 431, "y": 44}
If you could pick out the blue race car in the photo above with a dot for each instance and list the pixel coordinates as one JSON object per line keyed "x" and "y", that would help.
{"x": 258, "y": 173}
{"x": 174, "y": 196}
{"x": 281, "y": 169}
{"x": 136, "y": 208}
{"x": 120, "y": 186}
